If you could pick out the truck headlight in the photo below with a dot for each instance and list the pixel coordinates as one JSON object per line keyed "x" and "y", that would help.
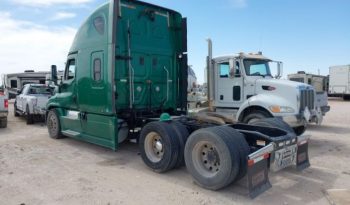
{"x": 281, "y": 109}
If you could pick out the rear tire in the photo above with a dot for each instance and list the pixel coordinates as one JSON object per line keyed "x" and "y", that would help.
{"x": 299, "y": 130}
{"x": 29, "y": 117}
{"x": 182, "y": 135}
{"x": 159, "y": 146}
{"x": 244, "y": 150}
{"x": 54, "y": 125}
{"x": 3, "y": 122}
{"x": 212, "y": 158}
{"x": 256, "y": 115}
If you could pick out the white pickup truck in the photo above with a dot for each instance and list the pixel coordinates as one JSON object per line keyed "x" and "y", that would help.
{"x": 3, "y": 109}
{"x": 31, "y": 101}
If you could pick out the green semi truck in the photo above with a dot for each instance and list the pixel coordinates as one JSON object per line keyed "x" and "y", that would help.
{"x": 126, "y": 78}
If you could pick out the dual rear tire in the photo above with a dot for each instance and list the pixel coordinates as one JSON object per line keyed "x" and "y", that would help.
{"x": 214, "y": 156}
{"x": 162, "y": 145}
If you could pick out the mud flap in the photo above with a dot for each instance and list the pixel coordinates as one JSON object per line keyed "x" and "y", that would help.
{"x": 302, "y": 153}
{"x": 258, "y": 179}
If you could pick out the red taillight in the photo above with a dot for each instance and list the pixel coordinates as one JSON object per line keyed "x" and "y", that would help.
{"x": 6, "y": 103}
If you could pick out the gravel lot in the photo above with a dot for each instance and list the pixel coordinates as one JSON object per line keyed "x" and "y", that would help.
{"x": 35, "y": 169}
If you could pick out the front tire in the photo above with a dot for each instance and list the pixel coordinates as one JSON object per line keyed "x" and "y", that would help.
{"x": 299, "y": 130}
{"x": 54, "y": 125}
{"x": 29, "y": 117}
{"x": 15, "y": 110}
{"x": 255, "y": 115}
{"x": 274, "y": 123}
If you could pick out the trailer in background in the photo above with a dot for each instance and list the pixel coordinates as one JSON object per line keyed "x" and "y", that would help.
{"x": 339, "y": 81}
{"x": 14, "y": 82}
{"x": 320, "y": 84}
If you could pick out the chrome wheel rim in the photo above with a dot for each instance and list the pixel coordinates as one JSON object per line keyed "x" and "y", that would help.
{"x": 154, "y": 147}
{"x": 206, "y": 158}
{"x": 52, "y": 123}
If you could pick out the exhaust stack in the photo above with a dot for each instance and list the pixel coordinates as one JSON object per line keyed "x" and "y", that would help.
{"x": 210, "y": 75}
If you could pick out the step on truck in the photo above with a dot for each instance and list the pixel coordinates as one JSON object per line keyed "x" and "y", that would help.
{"x": 126, "y": 78}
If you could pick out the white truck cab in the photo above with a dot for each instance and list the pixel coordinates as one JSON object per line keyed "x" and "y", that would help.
{"x": 244, "y": 83}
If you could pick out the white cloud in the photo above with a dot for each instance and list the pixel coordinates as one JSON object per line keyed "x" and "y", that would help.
{"x": 63, "y": 15}
{"x": 44, "y": 3}
{"x": 25, "y": 45}
{"x": 238, "y": 3}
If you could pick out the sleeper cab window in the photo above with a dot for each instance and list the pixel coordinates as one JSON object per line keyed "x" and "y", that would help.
{"x": 224, "y": 70}
{"x": 97, "y": 69}
{"x": 70, "y": 70}
{"x": 99, "y": 24}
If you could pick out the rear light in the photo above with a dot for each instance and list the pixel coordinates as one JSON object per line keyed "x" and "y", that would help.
{"x": 6, "y": 103}
{"x": 251, "y": 162}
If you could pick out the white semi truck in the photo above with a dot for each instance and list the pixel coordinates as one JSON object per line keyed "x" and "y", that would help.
{"x": 243, "y": 85}
{"x": 339, "y": 81}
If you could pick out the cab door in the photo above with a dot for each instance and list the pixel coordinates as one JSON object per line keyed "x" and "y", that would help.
{"x": 229, "y": 84}
{"x": 20, "y": 99}
{"x": 68, "y": 86}
{"x": 70, "y": 120}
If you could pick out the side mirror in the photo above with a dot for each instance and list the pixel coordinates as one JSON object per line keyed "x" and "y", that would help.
{"x": 54, "y": 74}
{"x": 232, "y": 68}
{"x": 18, "y": 92}
{"x": 279, "y": 70}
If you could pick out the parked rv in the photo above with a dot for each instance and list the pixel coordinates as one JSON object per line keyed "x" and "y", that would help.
{"x": 339, "y": 81}
{"x": 126, "y": 78}
{"x": 15, "y": 81}
{"x": 320, "y": 84}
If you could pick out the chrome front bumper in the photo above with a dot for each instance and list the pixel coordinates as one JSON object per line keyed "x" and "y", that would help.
{"x": 295, "y": 120}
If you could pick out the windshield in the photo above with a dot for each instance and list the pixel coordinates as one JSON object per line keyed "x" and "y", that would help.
{"x": 40, "y": 90}
{"x": 256, "y": 67}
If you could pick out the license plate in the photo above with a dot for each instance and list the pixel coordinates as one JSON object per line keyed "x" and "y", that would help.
{"x": 285, "y": 157}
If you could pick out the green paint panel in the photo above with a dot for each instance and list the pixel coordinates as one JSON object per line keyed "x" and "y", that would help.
{"x": 154, "y": 50}
{"x": 99, "y": 87}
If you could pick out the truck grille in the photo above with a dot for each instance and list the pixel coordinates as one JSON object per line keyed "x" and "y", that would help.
{"x": 307, "y": 98}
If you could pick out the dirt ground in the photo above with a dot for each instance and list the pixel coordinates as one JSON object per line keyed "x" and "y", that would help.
{"x": 35, "y": 169}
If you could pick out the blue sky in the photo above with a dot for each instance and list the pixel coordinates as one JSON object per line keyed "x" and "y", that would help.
{"x": 305, "y": 35}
